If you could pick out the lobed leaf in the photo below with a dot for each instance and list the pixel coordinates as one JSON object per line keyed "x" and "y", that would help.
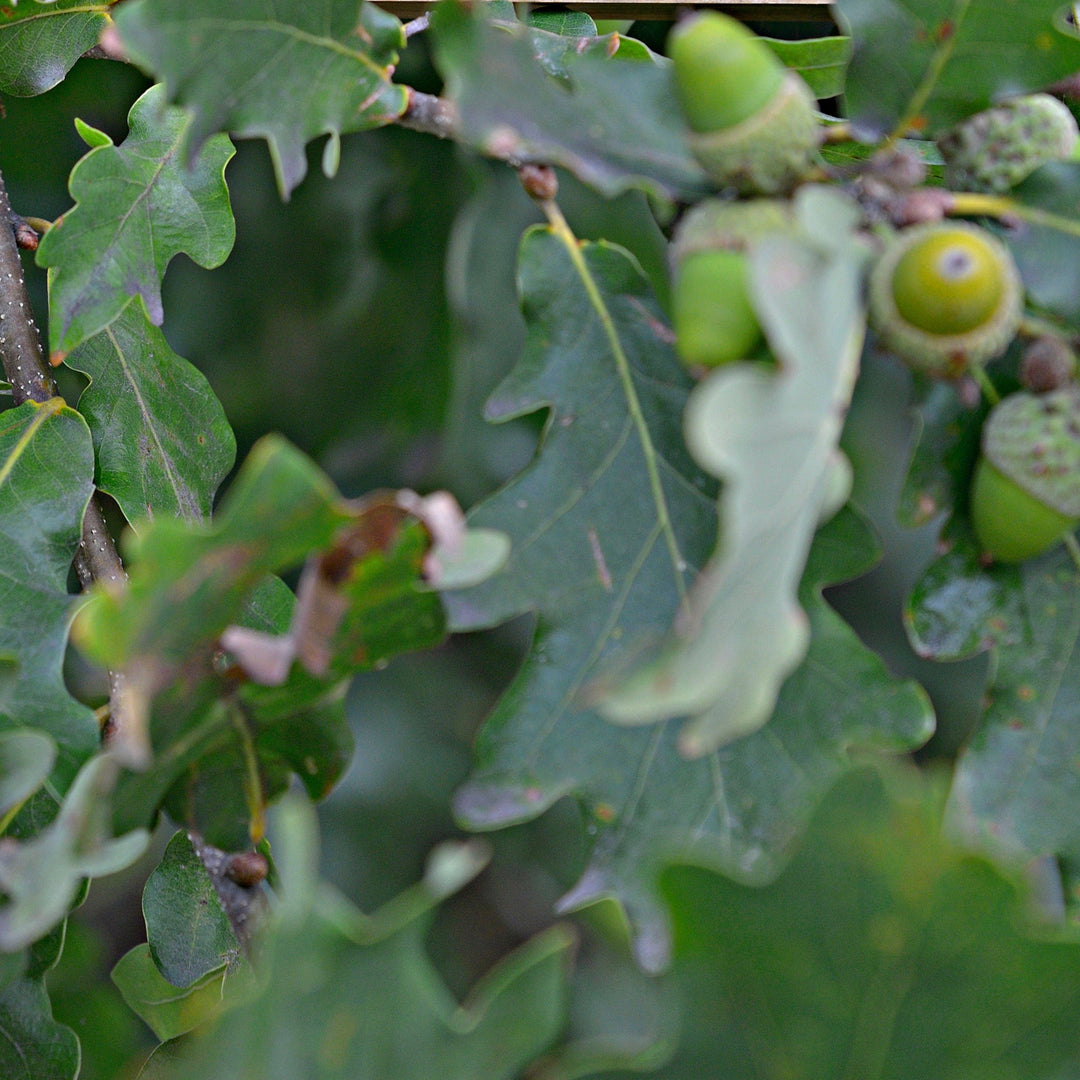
{"x": 883, "y": 950}
{"x": 370, "y": 1004}
{"x": 46, "y": 478}
{"x": 618, "y": 127}
{"x": 922, "y": 65}
{"x": 221, "y": 733}
{"x": 161, "y": 439}
{"x": 33, "y": 1046}
{"x": 284, "y": 70}
{"x": 41, "y": 876}
{"x": 587, "y": 505}
{"x": 137, "y": 205}
{"x": 1016, "y": 784}
{"x": 40, "y": 40}
{"x": 772, "y": 436}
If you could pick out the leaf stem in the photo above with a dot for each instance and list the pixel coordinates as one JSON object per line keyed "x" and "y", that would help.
{"x": 989, "y": 390}
{"x": 429, "y": 114}
{"x": 562, "y": 230}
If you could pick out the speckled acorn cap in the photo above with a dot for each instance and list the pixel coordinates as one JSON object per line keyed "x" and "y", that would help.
{"x": 769, "y": 152}
{"x": 729, "y": 225}
{"x": 945, "y": 355}
{"x": 996, "y": 149}
{"x": 1034, "y": 440}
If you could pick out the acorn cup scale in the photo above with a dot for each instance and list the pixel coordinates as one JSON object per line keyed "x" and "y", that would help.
{"x": 1025, "y": 494}
{"x": 946, "y": 297}
{"x": 752, "y": 122}
{"x": 996, "y": 149}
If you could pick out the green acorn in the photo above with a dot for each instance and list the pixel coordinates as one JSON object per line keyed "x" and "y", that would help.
{"x": 996, "y": 149}
{"x": 714, "y": 320}
{"x": 946, "y": 296}
{"x": 752, "y": 120}
{"x": 1025, "y": 496}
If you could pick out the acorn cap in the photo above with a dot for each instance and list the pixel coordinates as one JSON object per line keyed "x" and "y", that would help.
{"x": 1034, "y": 440}
{"x": 996, "y": 149}
{"x": 729, "y": 225}
{"x": 946, "y": 355}
{"x": 769, "y": 152}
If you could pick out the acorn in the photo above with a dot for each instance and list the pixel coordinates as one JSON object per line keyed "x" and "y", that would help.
{"x": 996, "y": 149}
{"x": 752, "y": 122}
{"x": 714, "y": 319}
{"x": 946, "y": 297}
{"x": 1025, "y": 496}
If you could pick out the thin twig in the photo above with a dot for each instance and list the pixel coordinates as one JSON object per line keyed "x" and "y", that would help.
{"x": 418, "y": 25}
{"x": 430, "y": 114}
{"x": 20, "y": 345}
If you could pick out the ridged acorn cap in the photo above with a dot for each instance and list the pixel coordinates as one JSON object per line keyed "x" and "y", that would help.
{"x": 771, "y": 151}
{"x": 996, "y": 149}
{"x": 1034, "y": 440}
{"x": 967, "y": 285}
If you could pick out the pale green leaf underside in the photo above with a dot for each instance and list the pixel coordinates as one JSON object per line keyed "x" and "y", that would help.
{"x": 771, "y": 436}
{"x": 40, "y": 877}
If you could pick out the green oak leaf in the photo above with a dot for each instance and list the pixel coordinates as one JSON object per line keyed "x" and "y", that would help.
{"x": 588, "y": 505}
{"x": 41, "y": 876}
{"x": 1044, "y": 237}
{"x": 571, "y": 24}
{"x": 1016, "y": 786}
{"x": 944, "y": 446}
{"x": 284, "y": 70}
{"x": 188, "y": 579}
{"x": 618, "y": 127}
{"x": 33, "y": 1046}
{"x": 26, "y": 759}
{"x": 822, "y": 62}
{"x": 137, "y": 205}
{"x": 370, "y": 1005}
{"x": 188, "y": 933}
{"x": 46, "y": 479}
{"x": 771, "y": 434}
{"x": 161, "y": 439}
{"x": 168, "y": 1011}
{"x": 218, "y": 738}
{"x": 40, "y": 40}
{"x": 884, "y": 950}
{"x": 923, "y": 65}
{"x": 187, "y": 582}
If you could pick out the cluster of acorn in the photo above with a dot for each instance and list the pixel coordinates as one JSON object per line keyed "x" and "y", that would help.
{"x": 945, "y": 296}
